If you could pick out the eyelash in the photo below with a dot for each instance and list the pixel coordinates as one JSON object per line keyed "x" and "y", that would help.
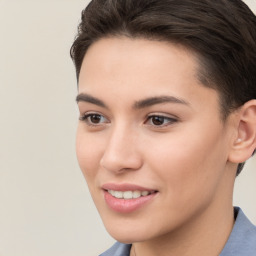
{"x": 166, "y": 121}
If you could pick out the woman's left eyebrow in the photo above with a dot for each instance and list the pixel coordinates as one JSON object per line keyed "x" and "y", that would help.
{"x": 158, "y": 100}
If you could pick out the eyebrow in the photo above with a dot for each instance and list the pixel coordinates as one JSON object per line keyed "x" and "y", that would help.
{"x": 88, "y": 98}
{"x": 159, "y": 100}
{"x": 137, "y": 105}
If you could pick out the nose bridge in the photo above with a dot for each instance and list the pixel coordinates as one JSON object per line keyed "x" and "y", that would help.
{"x": 121, "y": 152}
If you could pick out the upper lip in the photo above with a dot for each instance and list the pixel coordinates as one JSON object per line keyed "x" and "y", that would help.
{"x": 125, "y": 187}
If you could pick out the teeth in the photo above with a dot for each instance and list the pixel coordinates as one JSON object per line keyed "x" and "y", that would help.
{"x": 136, "y": 194}
{"x": 118, "y": 194}
{"x": 128, "y": 194}
{"x": 145, "y": 193}
{"x": 112, "y": 192}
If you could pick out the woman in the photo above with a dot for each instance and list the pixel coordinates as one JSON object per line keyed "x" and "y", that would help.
{"x": 167, "y": 105}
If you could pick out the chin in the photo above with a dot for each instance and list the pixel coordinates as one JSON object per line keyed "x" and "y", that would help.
{"x": 125, "y": 238}
{"x": 129, "y": 233}
{"x": 122, "y": 233}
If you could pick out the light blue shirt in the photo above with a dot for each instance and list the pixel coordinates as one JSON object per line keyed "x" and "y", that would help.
{"x": 241, "y": 242}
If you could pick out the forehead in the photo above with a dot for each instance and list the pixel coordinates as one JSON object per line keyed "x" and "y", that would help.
{"x": 133, "y": 53}
{"x": 139, "y": 68}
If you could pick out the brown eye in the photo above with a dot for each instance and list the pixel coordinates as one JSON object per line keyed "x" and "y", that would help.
{"x": 158, "y": 120}
{"x": 95, "y": 119}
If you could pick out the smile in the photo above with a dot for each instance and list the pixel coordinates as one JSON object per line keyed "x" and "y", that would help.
{"x": 127, "y": 198}
{"x": 129, "y": 194}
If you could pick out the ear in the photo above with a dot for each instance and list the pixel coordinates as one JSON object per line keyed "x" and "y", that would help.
{"x": 244, "y": 143}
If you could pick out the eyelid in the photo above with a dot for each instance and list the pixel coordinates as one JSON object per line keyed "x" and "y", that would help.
{"x": 163, "y": 114}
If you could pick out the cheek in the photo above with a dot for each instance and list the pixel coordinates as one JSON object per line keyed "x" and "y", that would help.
{"x": 88, "y": 151}
{"x": 189, "y": 163}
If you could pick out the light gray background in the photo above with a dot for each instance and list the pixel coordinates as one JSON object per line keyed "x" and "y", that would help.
{"x": 45, "y": 207}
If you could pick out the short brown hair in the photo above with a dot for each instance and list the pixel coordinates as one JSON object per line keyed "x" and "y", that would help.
{"x": 222, "y": 33}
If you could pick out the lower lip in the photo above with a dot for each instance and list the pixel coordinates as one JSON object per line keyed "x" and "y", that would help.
{"x": 126, "y": 205}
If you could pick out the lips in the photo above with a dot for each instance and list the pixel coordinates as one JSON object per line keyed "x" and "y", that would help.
{"x": 126, "y": 198}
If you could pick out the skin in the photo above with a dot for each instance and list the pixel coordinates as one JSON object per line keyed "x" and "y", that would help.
{"x": 186, "y": 159}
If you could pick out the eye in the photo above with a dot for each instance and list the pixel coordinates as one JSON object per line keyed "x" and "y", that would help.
{"x": 93, "y": 119}
{"x": 160, "y": 121}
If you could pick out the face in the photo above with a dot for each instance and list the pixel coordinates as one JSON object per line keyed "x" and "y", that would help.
{"x": 150, "y": 140}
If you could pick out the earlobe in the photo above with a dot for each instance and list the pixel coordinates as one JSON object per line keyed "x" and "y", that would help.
{"x": 245, "y": 141}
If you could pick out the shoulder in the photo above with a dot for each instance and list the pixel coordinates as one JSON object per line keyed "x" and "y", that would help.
{"x": 118, "y": 249}
{"x": 242, "y": 240}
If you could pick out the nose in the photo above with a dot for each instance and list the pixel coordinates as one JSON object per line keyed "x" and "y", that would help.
{"x": 121, "y": 151}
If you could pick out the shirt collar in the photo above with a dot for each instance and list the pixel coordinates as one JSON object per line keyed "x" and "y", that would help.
{"x": 242, "y": 240}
